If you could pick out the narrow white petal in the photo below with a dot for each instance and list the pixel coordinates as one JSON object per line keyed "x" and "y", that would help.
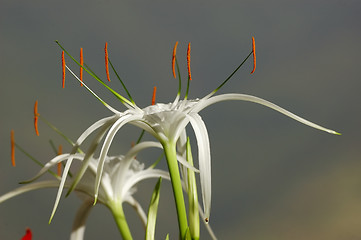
{"x": 95, "y": 126}
{"x": 89, "y": 154}
{"x": 204, "y": 158}
{"x": 48, "y": 165}
{"x": 249, "y": 98}
{"x": 29, "y": 187}
{"x": 208, "y": 226}
{"x": 139, "y": 176}
{"x": 138, "y": 208}
{"x": 107, "y": 142}
{"x": 185, "y": 164}
{"x": 77, "y": 232}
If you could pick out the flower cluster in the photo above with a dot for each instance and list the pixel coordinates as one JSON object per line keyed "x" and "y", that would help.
{"x": 111, "y": 180}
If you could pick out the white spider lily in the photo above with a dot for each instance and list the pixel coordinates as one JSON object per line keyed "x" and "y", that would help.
{"x": 117, "y": 185}
{"x": 166, "y": 122}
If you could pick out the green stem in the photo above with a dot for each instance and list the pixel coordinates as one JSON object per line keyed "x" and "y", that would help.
{"x": 171, "y": 156}
{"x": 117, "y": 210}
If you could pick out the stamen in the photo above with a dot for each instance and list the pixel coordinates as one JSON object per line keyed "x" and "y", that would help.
{"x": 60, "y": 151}
{"x": 189, "y": 61}
{"x": 106, "y": 61}
{"x": 173, "y": 58}
{"x": 36, "y": 117}
{"x": 154, "y": 94}
{"x": 12, "y": 139}
{"x": 254, "y": 54}
{"x": 81, "y": 68}
{"x": 63, "y": 66}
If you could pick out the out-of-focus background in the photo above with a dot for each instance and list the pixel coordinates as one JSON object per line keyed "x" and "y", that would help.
{"x": 273, "y": 178}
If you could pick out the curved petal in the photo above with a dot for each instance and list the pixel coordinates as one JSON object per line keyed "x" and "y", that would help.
{"x": 89, "y": 154}
{"x": 107, "y": 142}
{"x": 29, "y": 187}
{"x": 249, "y": 98}
{"x": 134, "y": 179}
{"x": 77, "y": 232}
{"x": 138, "y": 208}
{"x": 47, "y": 166}
{"x": 204, "y": 158}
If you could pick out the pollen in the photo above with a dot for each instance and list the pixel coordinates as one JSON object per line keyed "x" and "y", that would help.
{"x": 12, "y": 140}
{"x": 154, "y": 94}
{"x": 63, "y": 66}
{"x": 60, "y": 151}
{"x": 189, "y": 61}
{"x": 254, "y": 54}
{"x": 81, "y": 68}
{"x": 106, "y": 61}
{"x": 36, "y": 118}
{"x": 173, "y": 58}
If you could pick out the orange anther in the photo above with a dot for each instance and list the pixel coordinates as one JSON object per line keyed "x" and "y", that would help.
{"x": 60, "y": 151}
{"x": 81, "y": 69}
{"x": 154, "y": 94}
{"x": 63, "y": 66}
{"x": 36, "y": 116}
{"x": 254, "y": 54}
{"x": 173, "y": 58}
{"x": 12, "y": 139}
{"x": 106, "y": 61}
{"x": 189, "y": 61}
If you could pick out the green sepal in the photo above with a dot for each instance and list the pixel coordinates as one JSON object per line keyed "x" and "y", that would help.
{"x": 152, "y": 212}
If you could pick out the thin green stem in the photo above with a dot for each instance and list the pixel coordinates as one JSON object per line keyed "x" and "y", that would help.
{"x": 171, "y": 156}
{"x": 91, "y": 73}
{"x": 117, "y": 211}
{"x": 179, "y": 77}
{"x": 121, "y": 81}
{"x": 229, "y": 77}
{"x": 35, "y": 160}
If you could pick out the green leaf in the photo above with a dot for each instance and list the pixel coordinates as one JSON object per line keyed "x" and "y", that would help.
{"x": 152, "y": 212}
{"x": 192, "y": 196}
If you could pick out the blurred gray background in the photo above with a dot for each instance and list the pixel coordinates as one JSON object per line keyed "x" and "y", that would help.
{"x": 273, "y": 178}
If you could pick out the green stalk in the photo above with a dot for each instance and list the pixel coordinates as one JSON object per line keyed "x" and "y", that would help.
{"x": 171, "y": 156}
{"x": 117, "y": 211}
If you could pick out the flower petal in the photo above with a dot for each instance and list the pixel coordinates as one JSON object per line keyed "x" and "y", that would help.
{"x": 77, "y": 232}
{"x": 107, "y": 142}
{"x": 89, "y": 154}
{"x": 249, "y": 98}
{"x": 137, "y": 177}
{"x": 204, "y": 158}
{"x": 29, "y": 187}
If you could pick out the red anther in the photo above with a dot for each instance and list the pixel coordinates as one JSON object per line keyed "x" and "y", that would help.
{"x": 154, "y": 94}
{"x": 254, "y": 54}
{"x": 189, "y": 61}
{"x": 81, "y": 68}
{"x": 28, "y": 235}
{"x": 63, "y": 66}
{"x": 106, "y": 61}
{"x": 60, "y": 151}
{"x": 36, "y": 117}
{"x": 12, "y": 140}
{"x": 173, "y": 58}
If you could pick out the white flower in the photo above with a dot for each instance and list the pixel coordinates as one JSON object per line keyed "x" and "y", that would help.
{"x": 167, "y": 122}
{"x": 117, "y": 185}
